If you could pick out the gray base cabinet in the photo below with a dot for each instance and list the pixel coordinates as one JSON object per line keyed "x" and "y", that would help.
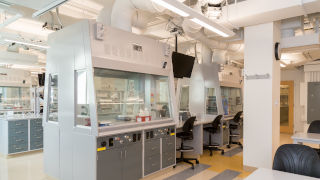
{"x": 159, "y": 149}
{"x": 20, "y": 135}
{"x": 120, "y": 157}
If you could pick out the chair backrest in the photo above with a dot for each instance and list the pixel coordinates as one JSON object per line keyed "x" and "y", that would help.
{"x": 216, "y": 122}
{"x": 297, "y": 159}
{"x": 237, "y": 117}
{"x": 188, "y": 125}
{"x": 314, "y": 127}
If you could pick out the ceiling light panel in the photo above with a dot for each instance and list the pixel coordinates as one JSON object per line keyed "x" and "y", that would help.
{"x": 174, "y": 6}
{"x": 187, "y": 12}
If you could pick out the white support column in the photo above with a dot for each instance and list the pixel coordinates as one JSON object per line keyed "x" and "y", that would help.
{"x": 261, "y": 96}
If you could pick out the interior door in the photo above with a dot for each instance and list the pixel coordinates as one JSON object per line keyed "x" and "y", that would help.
{"x": 286, "y": 106}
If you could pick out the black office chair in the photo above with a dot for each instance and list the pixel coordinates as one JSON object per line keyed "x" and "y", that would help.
{"x": 216, "y": 125}
{"x": 185, "y": 135}
{"x": 315, "y": 128}
{"x": 297, "y": 159}
{"x": 236, "y": 122}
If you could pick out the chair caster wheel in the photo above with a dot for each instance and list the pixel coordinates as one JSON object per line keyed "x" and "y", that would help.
{"x": 222, "y": 152}
{"x": 197, "y": 162}
{"x": 192, "y": 167}
{"x": 174, "y": 166}
{"x": 228, "y": 146}
{"x": 210, "y": 154}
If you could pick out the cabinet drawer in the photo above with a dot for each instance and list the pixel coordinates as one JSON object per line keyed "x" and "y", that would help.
{"x": 168, "y": 144}
{"x": 15, "y": 148}
{"x": 168, "y": 159}
{"x": 18, "y": 124}
{"x": 36, "y": 138}
{"x": 18, "y": 131}
{"x": 36, "y": 145}
{"x": 151, "y": 164}
{"x": 152, "y": 147}
{"x": 36, "y": 132}
{"x": 36, "y": 122}
{"x": 18, "y": 140}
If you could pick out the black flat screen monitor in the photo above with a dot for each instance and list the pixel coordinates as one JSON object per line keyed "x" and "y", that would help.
{"x": 41, "y": 78}
{"x": 182, "y": 65}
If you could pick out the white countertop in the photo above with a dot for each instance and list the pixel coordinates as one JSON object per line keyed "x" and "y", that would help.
{"x": 15, "y": 118}
{"x": 269, "y": 174}
{"x": 202, "y": 121}
{"x": 306, "y": 137}
{"x": 137, "y": 128}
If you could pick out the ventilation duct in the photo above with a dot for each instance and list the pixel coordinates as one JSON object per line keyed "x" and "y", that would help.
{"x": 122, "y": 12}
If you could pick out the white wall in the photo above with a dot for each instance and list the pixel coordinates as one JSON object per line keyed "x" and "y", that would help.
{"x": 261, "y": 96}
{"x": 299, "y": 117}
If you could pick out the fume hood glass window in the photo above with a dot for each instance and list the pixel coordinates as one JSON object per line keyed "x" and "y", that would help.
{"x": 53, "y": 98}
{"x": 127, "y": 97}
{"x": 231, "y": 100}
{"x": 211, "y": 102}
{"x": 184, "y": 99}
{"x": 15, "y": 99}
{"x": 82, "y": 105}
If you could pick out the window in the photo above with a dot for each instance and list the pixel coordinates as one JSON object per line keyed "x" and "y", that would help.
{"x": 82, "y": 101}
{"x": 53, "y": 98}
{"x": 128, "y": 97}
{"x": 211, "y": 102}
{"x": 231, "y": 100}
{"x": 184, "y": 99}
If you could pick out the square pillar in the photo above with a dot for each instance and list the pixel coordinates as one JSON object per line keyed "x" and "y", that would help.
{"x": 261, "y": 96}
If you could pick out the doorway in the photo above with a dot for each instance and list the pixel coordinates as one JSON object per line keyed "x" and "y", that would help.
{"x": 286, "y": 106}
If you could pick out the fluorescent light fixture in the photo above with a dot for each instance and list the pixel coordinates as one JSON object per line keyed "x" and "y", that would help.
{"x": 209, "y": 27}
{"x": 172, "y": 6}
{"x": 48, "y": 8}
{"x": 27, "y": 44}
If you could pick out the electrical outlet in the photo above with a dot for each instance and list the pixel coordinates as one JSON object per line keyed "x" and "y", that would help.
{"x": 99, "y": 31}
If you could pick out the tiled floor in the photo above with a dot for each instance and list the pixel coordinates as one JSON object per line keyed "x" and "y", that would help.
{"x": 30, "y": 167}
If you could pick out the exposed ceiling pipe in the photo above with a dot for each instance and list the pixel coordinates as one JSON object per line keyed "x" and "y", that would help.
{"x": 123, "y": 11}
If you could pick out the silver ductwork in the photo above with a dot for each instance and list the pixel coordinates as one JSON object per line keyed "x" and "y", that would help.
{"x": 122, "y": 12}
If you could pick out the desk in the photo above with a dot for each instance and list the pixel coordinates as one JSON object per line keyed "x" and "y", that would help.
{"x": 269, "y": 174}
{"x": 300, "y": 138}
{"x": 200, "y": 137}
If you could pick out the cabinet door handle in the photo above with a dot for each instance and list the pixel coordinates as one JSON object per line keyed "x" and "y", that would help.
{"x": 125, "y": 154}
{"x": 18, "y": 124}
{"x": 20, "y": 132}
{"x": 18, "y": 148}
{"x": 170, "y": 144}
{"x": 153, "y": 164}
{"x": 153, "y": 148}
{"x": 19, "y": 140}
{"x": 121, "y": 155}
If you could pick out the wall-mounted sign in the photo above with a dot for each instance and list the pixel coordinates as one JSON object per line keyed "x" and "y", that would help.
{"x": 257, "y": 76}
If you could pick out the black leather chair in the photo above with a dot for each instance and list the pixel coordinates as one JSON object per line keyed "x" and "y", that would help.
{"x": 234, "y": 125}
{"x": 216, "y": 125}
{"x": 297, "y": 159}
{"x": 185, "y": 135}
{"x": 315, "y": 128}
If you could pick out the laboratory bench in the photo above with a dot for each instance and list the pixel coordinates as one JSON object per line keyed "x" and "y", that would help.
{"x": 200, "y": 137}
{"x": 20, "y": 134}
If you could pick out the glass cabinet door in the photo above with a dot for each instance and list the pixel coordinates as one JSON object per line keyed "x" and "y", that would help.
{"x": 82, "y": 99}
{"x": 53, "y": 98}
{"x": 231, "y": 100}
{"x": 128, "y": 97}
{"x": 211, "y": 102}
